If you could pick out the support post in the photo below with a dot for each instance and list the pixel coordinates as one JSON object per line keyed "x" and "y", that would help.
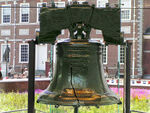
{"x": 126, "y": 106}
{"x": 31, "y": 77}
{"x": 75, "y": 109}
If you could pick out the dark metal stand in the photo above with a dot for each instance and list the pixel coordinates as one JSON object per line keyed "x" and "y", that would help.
{"x": 31, "y": 77}
{"x": 75, "y": 109}
{"x": 126, "y": 106}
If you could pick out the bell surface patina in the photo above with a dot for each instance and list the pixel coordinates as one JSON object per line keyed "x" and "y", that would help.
{"x": 78, "y": 77}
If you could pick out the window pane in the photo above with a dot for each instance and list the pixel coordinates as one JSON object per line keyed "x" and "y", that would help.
{"x": 125, "y": 14}
{"x": 6, "y": 11}
{"x": 6, "y": 18}
{"x": 24, "y": 53}
{"x": 25, "y": 10}
{"x": 25, "y": 18}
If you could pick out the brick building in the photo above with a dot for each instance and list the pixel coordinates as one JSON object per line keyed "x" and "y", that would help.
{"x": 20, "y": 20}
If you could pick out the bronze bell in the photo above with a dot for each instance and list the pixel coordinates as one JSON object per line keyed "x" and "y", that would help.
{"x": 78, "y": 77}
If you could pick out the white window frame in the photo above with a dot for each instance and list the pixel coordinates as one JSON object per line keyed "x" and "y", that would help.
{"x": 124, "y": 17}
{"x": 126, "y": 4}
{"x": 57, "y": 4}
{"x": 102, "y": 3}
{"x": 122, "y": 54}
{"x": 8, "y": 5}
{"x": 2, "y": 51}
{"x": 20, "y": 53}
{"x": 21, "y": 5}
{"x": 106, "y": 56}
{"x": 38, "y": 10}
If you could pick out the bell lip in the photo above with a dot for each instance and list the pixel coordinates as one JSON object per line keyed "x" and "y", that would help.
{"x": 76, "y": 103}
{"x": 83, "y": 105}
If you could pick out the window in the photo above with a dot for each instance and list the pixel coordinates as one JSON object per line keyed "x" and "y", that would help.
{"x": 125, "y": 14}
{"x": 126, "y": 29}
{"x": 5, "y": 32}
{"x": 60, "y": 4}
{"x": 24, "y": 53}
{"x": 122, "y": 54}
{"x": 6, "y": 14}
{"x": 98, "y": 31}
{"x": 103, "y": 50}
{"x": 24, "y": 12}
{"x": 125, "y": 11}
{"x": 101, "y": 3}
{"x": 5, "y": 53}
{"x": 38, "y": 10}
{"x": 23, "y": 32}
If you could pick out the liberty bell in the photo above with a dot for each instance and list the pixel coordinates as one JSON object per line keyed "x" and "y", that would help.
{"x": 78, "y": 75}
